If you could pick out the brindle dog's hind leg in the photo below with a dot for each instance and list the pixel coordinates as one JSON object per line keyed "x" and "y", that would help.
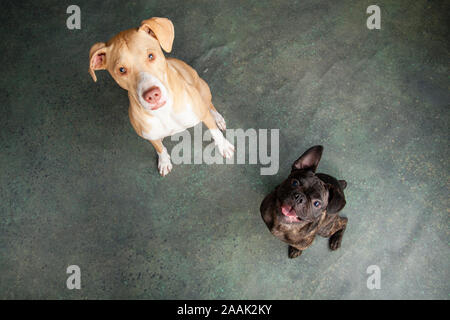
{"x": 294, "y": 252}
{"x": 333, "y": 227}
{"x": 336, "y": 238}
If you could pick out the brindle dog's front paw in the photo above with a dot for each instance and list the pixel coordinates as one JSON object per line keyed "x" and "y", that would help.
{"x": 336, "y": 240}
{"x": 294, "y": 253}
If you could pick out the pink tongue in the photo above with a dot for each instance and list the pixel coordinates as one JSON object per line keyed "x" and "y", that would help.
{"x": 287, "y": 210}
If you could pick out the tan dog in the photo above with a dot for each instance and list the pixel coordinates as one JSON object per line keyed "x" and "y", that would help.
{"x": 166, "y": 95}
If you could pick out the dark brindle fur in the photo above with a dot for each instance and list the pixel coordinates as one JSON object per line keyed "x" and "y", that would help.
{"x": 306, "y": 204}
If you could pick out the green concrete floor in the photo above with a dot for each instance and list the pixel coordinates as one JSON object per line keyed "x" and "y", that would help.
{"x": 78, "y": 186}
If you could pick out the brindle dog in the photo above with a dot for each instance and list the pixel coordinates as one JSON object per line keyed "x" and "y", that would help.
{"x": 306, "y": 204}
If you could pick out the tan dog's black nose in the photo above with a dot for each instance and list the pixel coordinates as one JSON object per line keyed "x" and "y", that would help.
{"x": 152, "y": 95}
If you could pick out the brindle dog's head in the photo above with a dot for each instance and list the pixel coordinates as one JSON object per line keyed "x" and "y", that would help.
{"x": 305, "y": 195}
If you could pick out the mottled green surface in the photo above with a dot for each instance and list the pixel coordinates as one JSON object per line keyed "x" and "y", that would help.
{"x": 78, "y": 186}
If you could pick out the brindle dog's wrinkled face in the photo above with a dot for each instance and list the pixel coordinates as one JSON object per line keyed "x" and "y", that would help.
{"x": 303, "y": 196}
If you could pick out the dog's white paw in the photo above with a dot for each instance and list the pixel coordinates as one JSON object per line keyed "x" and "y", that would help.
{"x": 164, "y": 163}
{"x": 164, "y": 167}
{"x": 226, "y": 149}
{"x": 220, "y": 121}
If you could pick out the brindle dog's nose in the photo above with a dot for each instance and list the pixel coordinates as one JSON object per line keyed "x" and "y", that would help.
{"x": 152, "y": 95}
{"x": 299, "y": 198}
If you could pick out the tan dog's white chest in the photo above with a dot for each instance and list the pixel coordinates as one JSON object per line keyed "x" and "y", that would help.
{"x": 165, "y": 122}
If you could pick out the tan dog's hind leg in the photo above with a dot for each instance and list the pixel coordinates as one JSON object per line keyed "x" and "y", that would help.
{"x": 220, "y": 121}
{"x": 226, "y": 149}
{"x": 164, "y": 163}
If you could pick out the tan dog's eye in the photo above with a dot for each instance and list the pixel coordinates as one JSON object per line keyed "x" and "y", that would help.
{"x": 122, "y": 70}
{"x": 151, "y": 56}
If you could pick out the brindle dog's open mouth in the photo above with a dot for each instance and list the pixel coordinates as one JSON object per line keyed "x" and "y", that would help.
{"x": 290, "y": 214}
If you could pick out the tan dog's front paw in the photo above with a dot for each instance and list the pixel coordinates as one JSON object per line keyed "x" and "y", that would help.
{"x": 226, "y": 149}
{"x": 220, "y": 121}
{"x": 164, "y": 167}
{"x": 164, "y": 163}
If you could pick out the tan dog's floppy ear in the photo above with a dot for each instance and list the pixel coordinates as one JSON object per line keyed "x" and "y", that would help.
{"x": 97, "y": 59}
{"x": 162, "y": 29}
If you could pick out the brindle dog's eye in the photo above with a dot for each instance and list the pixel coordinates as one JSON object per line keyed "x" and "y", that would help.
{"x": 317, "y": 204}
{"x": 295, "y": 183}
{"x": 122, "y": 70}
{"x": 150, "y": 56}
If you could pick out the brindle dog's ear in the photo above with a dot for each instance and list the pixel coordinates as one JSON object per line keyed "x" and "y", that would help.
{"x": 336, "y": 199}
{"x": 309, "y": 160}
{"x": 343, "y": 184}
{"x": 162, "y": 29}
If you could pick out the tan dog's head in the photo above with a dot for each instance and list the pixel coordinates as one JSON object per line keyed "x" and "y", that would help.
{"x": 136, "y": 62}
